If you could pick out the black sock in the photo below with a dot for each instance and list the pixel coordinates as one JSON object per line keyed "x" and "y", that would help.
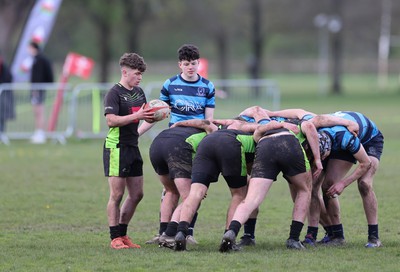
{"x": 329, "y": 231}
{"x": 250, "y": 227}
{"x": 114, "y": 232}
{"x": 171, "y": 228}
{"x": 163, "y": 227}
{"x": 183, "y": 226}
{"x": 295, "y": 230}
{"x": 191, "y": 226}
{"x": 235, "y": 226}
{"x": 337, "y": 231}
{"x": 373, "y": 231}
{"x": 123, "y": 228}
{"x": 313, "y": 231}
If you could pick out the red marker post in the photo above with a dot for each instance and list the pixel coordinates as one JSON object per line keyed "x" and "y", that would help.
{"x": 74, "y": 64}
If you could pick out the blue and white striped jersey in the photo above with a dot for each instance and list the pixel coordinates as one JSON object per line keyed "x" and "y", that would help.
{"x": 188, "y": 100}
{"x": 265, "y": 121}
{"x": 342, "y": 139}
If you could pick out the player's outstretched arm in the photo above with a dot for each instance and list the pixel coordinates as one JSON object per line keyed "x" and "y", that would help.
{"x": 311, "y": 134}
{"x": 144, "y": 127}
{"x": 291, "y": 113}
{"x": 256, "y": 112}
{"x": 364, "y": 163}
{"x": 327, "y": 120}
{"x": 204, "y": 124}
{"x": 209, "y": 114}
{"x": 261, "y": 129}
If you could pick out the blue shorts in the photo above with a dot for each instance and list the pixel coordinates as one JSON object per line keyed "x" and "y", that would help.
{"x": 374, "y": 148}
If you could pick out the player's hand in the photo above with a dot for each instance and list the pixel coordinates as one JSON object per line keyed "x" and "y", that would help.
{"x": 145, "y": 113}
{"x": 317, "y": 169}
{"x": 354, "y": 128}
{"x": 291, "y": 127}
{"x": 335, "y": 190}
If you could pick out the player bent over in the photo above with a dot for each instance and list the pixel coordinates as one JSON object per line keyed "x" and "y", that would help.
{"x": 171, "y": 154}
{"x": 278, "y": 150}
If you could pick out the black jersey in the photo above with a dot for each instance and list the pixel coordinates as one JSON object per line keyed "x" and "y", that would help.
{"x": 121, "y": 101}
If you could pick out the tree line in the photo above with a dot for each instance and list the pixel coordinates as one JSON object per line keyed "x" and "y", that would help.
{"x": 227, "y": 30}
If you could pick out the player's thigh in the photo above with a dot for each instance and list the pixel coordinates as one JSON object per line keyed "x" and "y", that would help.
{"x": 117, "y": 186}
{"x": 196, "y": 194}
{"x": 335, "y": 171}
{"x": 134, "y": 185}
{"x": 301, "y": 182}
{"x": 257, "y": 190}
{"x": 183, "y": 186}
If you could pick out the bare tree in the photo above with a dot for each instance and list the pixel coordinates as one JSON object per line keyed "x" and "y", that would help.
{"x": 103, "y": 17}
{"x": 257, "y": 42}
{"x": 128, "y": 16}
{"x": 135, "y": 14}
{"x": 335, "y": 28}
{"x": 217, "y": 19}
{"x": 384, "y": 43}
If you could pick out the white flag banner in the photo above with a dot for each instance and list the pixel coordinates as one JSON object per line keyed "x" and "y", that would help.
{"x": 37, "y": 29}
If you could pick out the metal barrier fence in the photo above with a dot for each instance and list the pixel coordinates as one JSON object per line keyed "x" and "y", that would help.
{"x": 234, "y": 95}
{"x": 16, "y": 98}
{"x": 82, "y": 115}
{"x": 86, "y": 111}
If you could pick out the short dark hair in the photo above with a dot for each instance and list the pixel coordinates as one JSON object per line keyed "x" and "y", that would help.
{"x": 188, "y": 52}
{"x": 133, "y": 61}
{"x": 35, "y": 45}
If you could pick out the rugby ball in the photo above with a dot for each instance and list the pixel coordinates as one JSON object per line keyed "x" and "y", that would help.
{"x": 160, "y": 108}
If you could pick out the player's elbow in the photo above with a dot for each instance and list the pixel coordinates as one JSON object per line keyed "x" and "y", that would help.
{"x": 365, "y": 166}
{"x": 110, "y": 123}
{"x": 305, "y": 125}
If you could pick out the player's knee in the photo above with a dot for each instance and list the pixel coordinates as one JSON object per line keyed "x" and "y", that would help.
{"x": 315, "y": 194}
{"x": 116, "y": 197}
{"x": 139, "y": 196}
{"x": 364, "y": 187}
{"x": 198, "y": 196}
{"x": 136, "y": 197}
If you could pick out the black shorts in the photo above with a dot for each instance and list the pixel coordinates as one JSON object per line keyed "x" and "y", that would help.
{"x": 220, "y": 153}
{"x": 171, "y": 156}
{"x": 374, "y": 148}
{"x": 122, "y": 161}
{"x": 38, "y": 97}
{"x": 279, "y": 153}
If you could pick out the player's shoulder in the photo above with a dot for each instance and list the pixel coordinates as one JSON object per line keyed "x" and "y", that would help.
{"x": 172, "y": 79}
{"x": 113, "y": 90}
{"x": 206, "y": 81}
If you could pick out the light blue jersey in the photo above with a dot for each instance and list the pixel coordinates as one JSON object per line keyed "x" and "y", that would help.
{"x": 188, "y": 100}
{"x": 368, "y": 129}
{"x": 266, "y": 121}
{"x": 343, "y": 139}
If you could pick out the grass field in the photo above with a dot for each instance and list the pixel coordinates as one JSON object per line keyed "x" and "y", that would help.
{"x": 53, "y": 206}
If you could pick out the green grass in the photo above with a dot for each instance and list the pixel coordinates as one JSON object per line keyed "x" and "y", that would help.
{"x": 53, "y": 206}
